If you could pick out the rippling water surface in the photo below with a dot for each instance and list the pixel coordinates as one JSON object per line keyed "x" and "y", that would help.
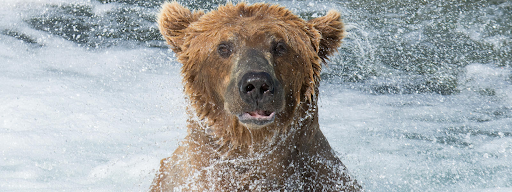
{"x": 419, "y": 97}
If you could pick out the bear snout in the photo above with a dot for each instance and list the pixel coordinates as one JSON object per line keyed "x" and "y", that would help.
{"x": 257, "y": 88}
{"x": 260, "y": 94}
{"x": 254, "y": 94}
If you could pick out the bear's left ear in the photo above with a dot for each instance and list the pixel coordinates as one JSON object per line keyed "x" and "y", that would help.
{"x": 332, "y": 32}
{"x": 172, "y": 22}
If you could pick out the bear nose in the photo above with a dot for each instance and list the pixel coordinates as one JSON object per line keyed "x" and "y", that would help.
{"x": 257, "y": 88}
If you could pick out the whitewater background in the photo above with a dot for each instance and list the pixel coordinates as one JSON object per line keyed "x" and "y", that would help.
{"x": 419, "y": 97}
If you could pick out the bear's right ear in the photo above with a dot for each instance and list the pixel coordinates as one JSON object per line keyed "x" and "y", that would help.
{"x": 172, "y": 22}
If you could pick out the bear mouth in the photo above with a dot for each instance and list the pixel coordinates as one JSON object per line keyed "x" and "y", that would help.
{"x": 258, "y": 117}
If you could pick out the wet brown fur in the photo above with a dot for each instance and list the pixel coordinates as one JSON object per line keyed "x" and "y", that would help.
{"x": 287, "y": 148}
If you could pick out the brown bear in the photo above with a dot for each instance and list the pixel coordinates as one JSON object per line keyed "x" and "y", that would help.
{"x": 251, "y": 74}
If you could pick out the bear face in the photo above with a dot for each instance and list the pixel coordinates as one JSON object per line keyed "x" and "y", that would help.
{"x": 249, "y": 66}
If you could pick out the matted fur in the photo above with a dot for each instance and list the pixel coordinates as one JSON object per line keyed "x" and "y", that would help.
{"x": 283, "y": 155}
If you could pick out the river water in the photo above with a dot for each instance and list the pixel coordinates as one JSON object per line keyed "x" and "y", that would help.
{"x": 419, "y": 97}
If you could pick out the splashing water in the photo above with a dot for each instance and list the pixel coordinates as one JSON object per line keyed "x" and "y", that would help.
{"x": 419, "y": 97}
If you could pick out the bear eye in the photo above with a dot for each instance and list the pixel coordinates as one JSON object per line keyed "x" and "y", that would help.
{"x": 224, "y": 50}
{"x": 279, "y": 48}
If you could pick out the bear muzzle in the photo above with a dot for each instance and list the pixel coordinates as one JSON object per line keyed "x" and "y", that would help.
{"x": 256, "y": 92}
{"x": 257, "y": 89}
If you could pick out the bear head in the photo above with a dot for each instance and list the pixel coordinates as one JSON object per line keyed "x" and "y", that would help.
{"x": 249, "y": 66}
